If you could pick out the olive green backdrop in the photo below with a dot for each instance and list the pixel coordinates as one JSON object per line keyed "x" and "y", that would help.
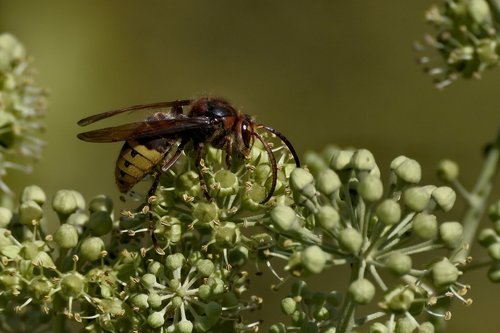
{"x": 319, "y": 71}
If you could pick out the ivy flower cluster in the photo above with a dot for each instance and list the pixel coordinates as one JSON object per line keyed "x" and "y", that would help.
{"x": 174, "y": 264}
{"x": 466, "y": 40}
{"x": 22, "y": 107}
{"x": 343, "y": 215}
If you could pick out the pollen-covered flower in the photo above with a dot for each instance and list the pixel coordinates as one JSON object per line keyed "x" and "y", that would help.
{"x": 466, "y": 42}
{"x": 22, "y": 107}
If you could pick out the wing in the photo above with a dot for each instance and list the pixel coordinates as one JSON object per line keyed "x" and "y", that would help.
{"x": 147, "y": 129}
{"x": 153, "y": 106}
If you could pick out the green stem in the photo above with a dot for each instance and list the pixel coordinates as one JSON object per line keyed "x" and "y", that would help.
{"x": 476, "y": 207}
{"x": 59, "y": 320}
{"x": 495, "y": 9}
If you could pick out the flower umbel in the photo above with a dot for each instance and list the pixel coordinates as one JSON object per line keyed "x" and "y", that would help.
{"x": 22, "y": 106}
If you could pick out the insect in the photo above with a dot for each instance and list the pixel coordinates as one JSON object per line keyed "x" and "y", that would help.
{"x": 148, "y": 143}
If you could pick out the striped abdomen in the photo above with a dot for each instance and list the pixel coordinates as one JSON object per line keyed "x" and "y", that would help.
{"x": 138, "y": 159}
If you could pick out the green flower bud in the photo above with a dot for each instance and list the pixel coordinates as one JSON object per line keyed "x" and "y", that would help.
{"x": 148, "y": 281}
{"x": 350, "y": 240}
{"x": 277, "y": 328}
{"x": 253, "y": 197}
{"x": 406, "y": 169}
{"x": 447, "y": 170}
{"x": 66, "y": 236}
{"x": 177, "y": 301}
{"x": 362, "y": 291}
{"x": 405, "y": 325}
{"x": 204, "y": 291}
{"x": 451, "y": 234}
{"x": 327, "y": 182}
{"x": 184, "y": 326}
{"x": 486, "y": 51}
{"x": 43, "y": 259}
{"x": 445, "y": 197}
{"x": 205, "y": 267}
{"x": 78, "y": 220}
{"x": 341, "y": 160}
{"x": 238, "y": 256}
{"x": 101, "y": 203}
{"x": 487, "y": 237}
{"x": 494, "y": 211}
{"x": 188, "y": 183}
{"x": 315, "y": 163}
{"x": 226, "y": 183}
{"x": 30, "y": 211}
{"x": 370, "y": 188}
{"x": 298, "y": 318}
{"x": 302, "y": 184}
{"x": 154, "y": 299}
{"x": 156, "y": 268}
{"x": 321, "y": 313}
{"x": 72, "y": 285}
{"x": 334, "y": 298}
{"x": 328, "y": 218}
{"x": 314, "y": 259}
{"x": 5, "y": 217}
{"x": 425, "y": 225}
{"x": 388, "y": 212}
{"x": 399, "y": 263}
{"x": 213, "y": 310}
{"x": 288, "y": 305}
{"x": 444, "y": 273}
{"x": 261, "y": 173}
{"x": 416, "y": 198}
{"x": 112, "y": 306}
{"x": 494, "y": 251}
{"x": 174, "y": 261}
{"x": 227, "y": 235}
{"x": 156, "y": 319}
{"x": 140, "y": 301}
{"x": 494, "y": 273}
{"x": 40, "y": 288}
{"x": 100, "y": 223}
{"x": 399, "y": 299}
{"x": 285, "y": 219}
{"x": 205, "y": 212}
{"x": 426, "y": 327}
{"x": 378, "y": 328}
{"x": 480, "y": 12}
{"x": 363, "y": 159}
{"x": 34, "y": 193}
{"x": 65, "y": 203}
{"x": 91, "y": 248}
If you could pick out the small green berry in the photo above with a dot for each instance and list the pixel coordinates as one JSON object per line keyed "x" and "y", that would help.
{"x": 288, "y": 305}
{"x": 487, "y": 237}
{"x": 494, "y": 251}
{"x": 100, "y": 223}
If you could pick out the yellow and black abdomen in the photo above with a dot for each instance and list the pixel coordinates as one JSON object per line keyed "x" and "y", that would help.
{"x": 138, "y": 159}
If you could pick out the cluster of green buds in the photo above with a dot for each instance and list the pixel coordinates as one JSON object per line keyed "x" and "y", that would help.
{"x": 467, "y": 40}
{"x": 490, "y": 239}
{"x": 389, "y": 236}
{"x": 22, "y": 106}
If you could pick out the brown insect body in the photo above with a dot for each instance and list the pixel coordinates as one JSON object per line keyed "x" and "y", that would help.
{"x": 147, "y": 144}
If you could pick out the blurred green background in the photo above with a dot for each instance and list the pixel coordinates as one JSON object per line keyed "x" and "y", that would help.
{"x": 321, "y": 72}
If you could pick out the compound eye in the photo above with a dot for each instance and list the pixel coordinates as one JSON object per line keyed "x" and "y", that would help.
{"x": 246, "y": 133}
